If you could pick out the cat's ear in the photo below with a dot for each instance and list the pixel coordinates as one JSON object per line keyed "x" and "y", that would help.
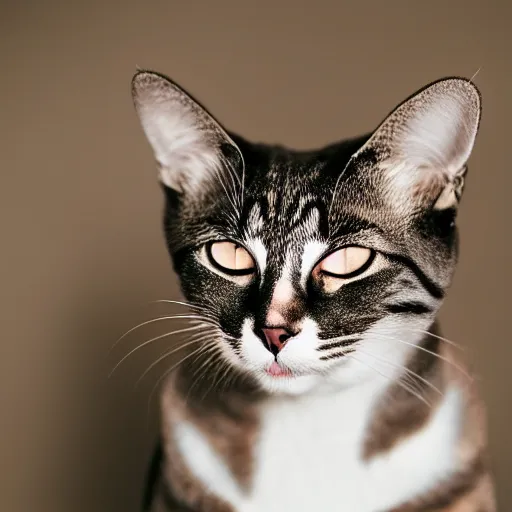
{"x": 423, "y": 146}
{"x": 190, "y": 146}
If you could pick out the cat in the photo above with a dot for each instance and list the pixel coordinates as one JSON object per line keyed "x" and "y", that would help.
{"x": 318, "y": 378}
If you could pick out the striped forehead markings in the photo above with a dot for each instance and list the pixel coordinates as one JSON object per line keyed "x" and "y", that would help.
{"x": 304, "y": 212}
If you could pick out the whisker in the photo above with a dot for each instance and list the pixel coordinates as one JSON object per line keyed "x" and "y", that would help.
{"x": 201, "y": 307}
{"x": 233, "y": 173}
{"x": 179, "y": 302}
{"x": 165, "y": 374}
{"x": 400, "y": 383}
{"x": 211, "y": 364}
{"x": 206, "y": 310}
{"x": 138, "y": 347}
{"x": 233, "y": 217}
{"x": 426, "y": 350}
{"x": 242, "y": 187}
{"x": 333, "y": 198}
{"x": 222, "y": 376}
{"x": 159, "y": 319}
{"x": 446, "y": 340}
{"x": 214, "y": 349}
{"x": 476, "y": 73}
{"x": 219, "y": 175}
{"x": 408, "y": 370}
{"x": 197, "y": 338}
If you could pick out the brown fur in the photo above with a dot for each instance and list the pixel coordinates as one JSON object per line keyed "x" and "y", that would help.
{"x": 470, "y": 489}
{"x": 402, "y": 413}
{"x": 228, "y": 420}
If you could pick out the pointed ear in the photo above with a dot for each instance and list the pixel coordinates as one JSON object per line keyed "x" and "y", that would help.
{"x": 423, "y": 146}
{"x": 190, "y": 146}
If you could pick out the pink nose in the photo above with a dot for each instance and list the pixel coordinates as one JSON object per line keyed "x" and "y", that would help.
{"x": 276, "y": 338}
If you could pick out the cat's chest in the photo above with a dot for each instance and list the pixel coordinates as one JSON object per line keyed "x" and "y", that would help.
{"x": 308, "y": 456}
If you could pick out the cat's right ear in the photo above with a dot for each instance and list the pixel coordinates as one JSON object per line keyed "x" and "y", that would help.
{"x": 191, "y": 148}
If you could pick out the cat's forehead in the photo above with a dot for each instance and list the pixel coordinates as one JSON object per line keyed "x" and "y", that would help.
{"x": 286, "y": 197}
{"x": 290, "y": 219}
{"x": 286, "y": 214}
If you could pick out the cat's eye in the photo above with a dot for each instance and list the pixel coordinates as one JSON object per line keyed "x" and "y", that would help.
{"x": 346, "y": 262}
{"x": 231, "y": 258}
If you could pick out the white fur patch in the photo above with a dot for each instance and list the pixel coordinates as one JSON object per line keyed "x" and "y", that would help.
{"x": 309, "y": 456}
{"x": 311, "y": 254}
{"x": 298, "y": 354}
{"x": 258, "y": 250}
{"x": 283, "y": 291}
{"x": 204, "y": 463}
{"x": 282, "y": 295}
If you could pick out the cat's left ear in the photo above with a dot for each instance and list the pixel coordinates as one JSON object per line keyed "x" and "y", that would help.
{"x": 192, "y": 149}
{"x": 423, "y": 146}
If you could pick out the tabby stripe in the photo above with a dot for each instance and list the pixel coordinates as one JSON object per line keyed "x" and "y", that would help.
{"x": 337, "y": 355}
{"x": 323, "y": 222}
{"x": 338, "y": 344}
{"x": 436, "y": 291}
{"x": 416, "y": 308}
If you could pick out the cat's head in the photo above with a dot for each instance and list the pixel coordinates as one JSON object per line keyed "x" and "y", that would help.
{"x": 312, "y": 264}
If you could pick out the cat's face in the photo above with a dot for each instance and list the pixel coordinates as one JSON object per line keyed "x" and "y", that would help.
{"x": 311, "y": 265}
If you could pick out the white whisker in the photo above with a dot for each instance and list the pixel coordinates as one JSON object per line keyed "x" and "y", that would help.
{"x": 402, "y": 384}
{"x": 138, "y": 347}
{"x": 179, "y": 302}
{"x": 197, "y": 338}
{"x": 168, "y": 371}
{"x": 446, "y": 340}
{"x": 423, "y": 349}
{"x": 230, "y": 199}
{"x": 407, "y": 370}
{"x": 476, "y": 73}
{"x": 159, "y": 319}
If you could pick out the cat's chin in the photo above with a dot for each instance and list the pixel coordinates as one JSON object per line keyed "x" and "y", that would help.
{"x": 288, "y": 384}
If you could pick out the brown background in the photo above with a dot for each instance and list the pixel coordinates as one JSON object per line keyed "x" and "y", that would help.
{"x": 82, "y": 251}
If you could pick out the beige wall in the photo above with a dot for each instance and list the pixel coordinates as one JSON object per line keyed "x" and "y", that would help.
{"x": 82, "y": 254}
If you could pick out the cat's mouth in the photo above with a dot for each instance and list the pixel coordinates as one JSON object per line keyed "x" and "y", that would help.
{"x": 277, "y": 370}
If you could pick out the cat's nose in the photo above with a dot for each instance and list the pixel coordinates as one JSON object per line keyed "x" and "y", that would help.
{"x": 276, "y": 338}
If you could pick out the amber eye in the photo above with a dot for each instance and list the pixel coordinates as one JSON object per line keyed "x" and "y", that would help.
{"x": 231, "y": 258}
{"x": 347, "y": 262}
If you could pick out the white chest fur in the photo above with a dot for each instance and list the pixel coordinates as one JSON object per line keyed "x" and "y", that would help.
{"x": 308, "y": 457}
